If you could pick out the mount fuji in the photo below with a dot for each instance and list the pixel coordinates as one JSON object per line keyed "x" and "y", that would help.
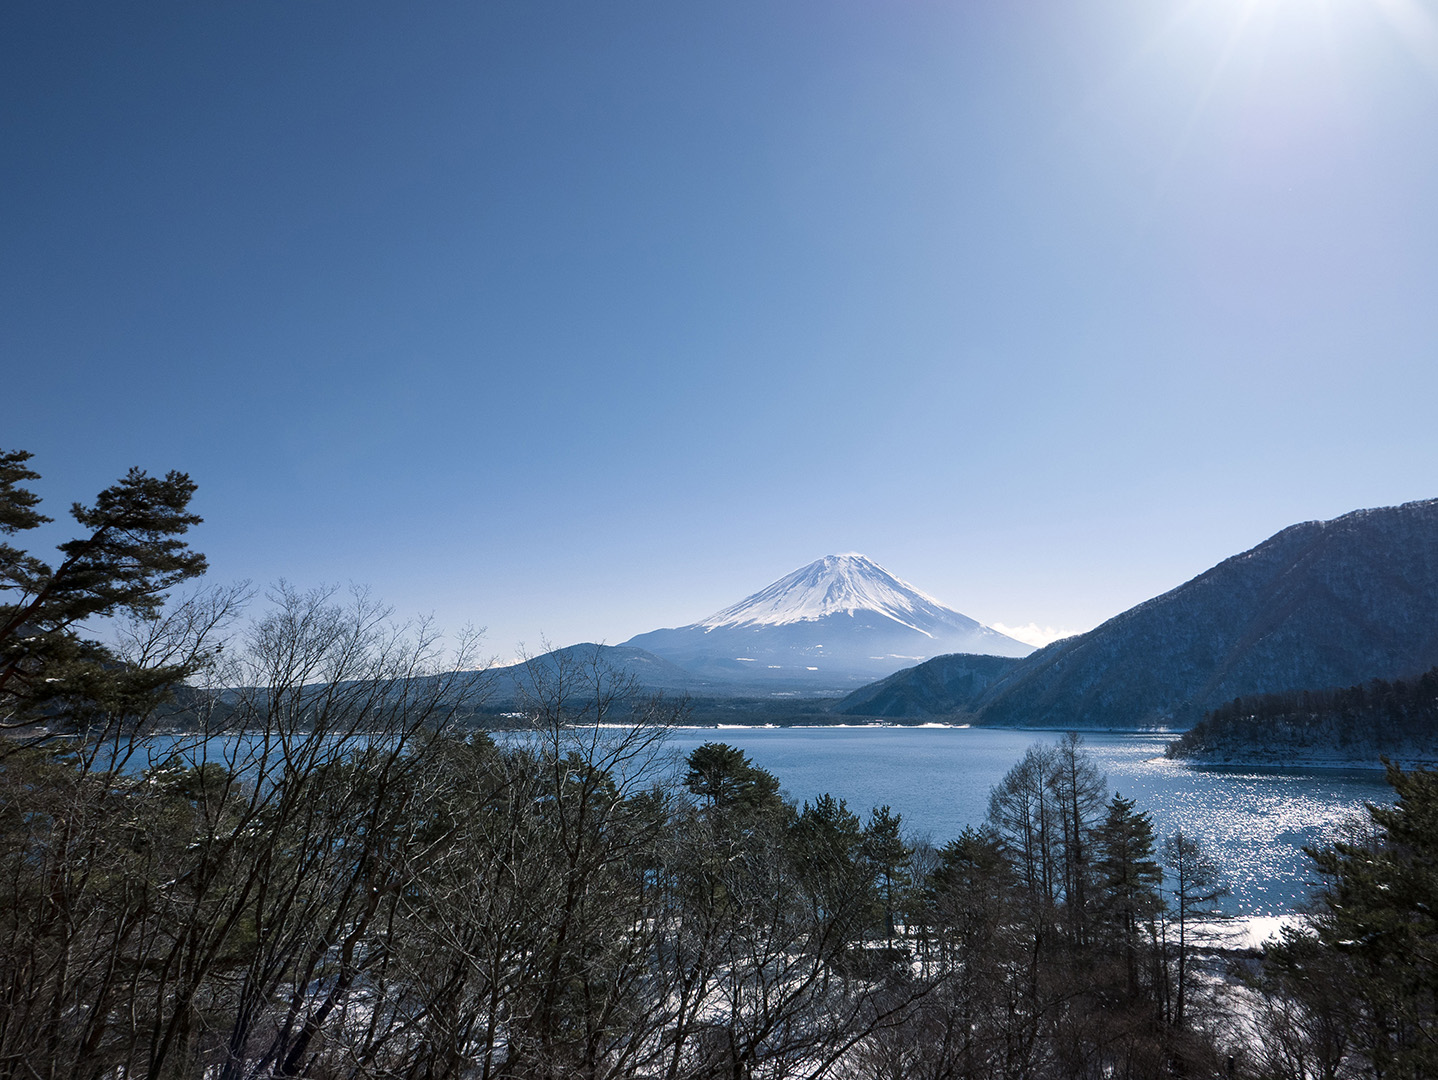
{"x": 841, "y": 621}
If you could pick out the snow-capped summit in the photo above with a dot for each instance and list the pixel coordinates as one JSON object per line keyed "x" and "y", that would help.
{"x": 832, "y": 585}
{"x": 840, "y": 621}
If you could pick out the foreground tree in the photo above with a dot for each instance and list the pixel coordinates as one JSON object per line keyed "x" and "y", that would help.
{"x": 1305, "y": 1025}
{"x": 888, "y": 857}
{"x": 1358, "y": 993}
{"x": 725, "y": 777}
{"x": 131, "y": 555}
{"x": 220, "y": 909}
{"x": 1197, "y": 884}
{"x": 1080, "y": 790}
{"x": 1129, "y": 879}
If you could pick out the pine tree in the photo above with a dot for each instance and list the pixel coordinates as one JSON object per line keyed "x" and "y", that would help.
{"x": 1380, "y": 918}
{"x": 888, "y": 855}
{"x": 827, "y": 843}
{"x": 130, "y": 557}
{"x": 725, "y": 776}
{"x": 1129, "y": 878}
{"x": 969, "y": 892}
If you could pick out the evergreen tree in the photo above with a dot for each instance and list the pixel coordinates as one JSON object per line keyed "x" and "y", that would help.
{"x": 828, "y": 844}
{"x": 888, "y": 855}
{"x": 725, "y": 776}
{"x": 1129, "y": 878}
{"x": 969, "y": 892}
{"x": 131, "y": 555}
{"x": 1379, "y": 916}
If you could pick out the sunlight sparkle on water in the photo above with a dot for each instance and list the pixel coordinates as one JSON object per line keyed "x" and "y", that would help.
{"x": 1253, "y": 822}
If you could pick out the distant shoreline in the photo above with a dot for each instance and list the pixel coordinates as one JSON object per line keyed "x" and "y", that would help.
{"x": 1289, "y": 761}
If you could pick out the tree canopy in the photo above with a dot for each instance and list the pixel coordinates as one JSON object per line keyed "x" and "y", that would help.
{"x": 130, "y": 555}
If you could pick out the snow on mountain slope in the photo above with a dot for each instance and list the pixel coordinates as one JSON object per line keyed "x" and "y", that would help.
{"x": 834, "y": 584}
{"x": 838, "y": 622}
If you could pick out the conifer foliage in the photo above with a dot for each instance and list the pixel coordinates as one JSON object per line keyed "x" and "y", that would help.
{"x": 1367, "y": 720}
{"x": 131, "y": 554}
{"x": 1354, "y": 992}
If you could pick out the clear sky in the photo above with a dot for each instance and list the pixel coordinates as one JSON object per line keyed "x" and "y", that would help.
{"x": 582, "y": 319}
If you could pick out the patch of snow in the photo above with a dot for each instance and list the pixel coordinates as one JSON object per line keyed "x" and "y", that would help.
{"x": 1248, "y": 931}
{"x": 835, "y": 584}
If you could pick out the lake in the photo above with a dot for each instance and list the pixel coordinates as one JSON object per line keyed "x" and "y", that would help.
{"x": 1253, "y": 821}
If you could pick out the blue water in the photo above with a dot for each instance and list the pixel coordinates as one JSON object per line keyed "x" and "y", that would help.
{"x": 1253, "y": 821}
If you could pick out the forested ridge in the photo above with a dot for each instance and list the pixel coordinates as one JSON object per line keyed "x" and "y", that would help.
{"x": 1397, "y": 718}
{"x": 1321, "y": 603}
{"x": 329, "y": 875}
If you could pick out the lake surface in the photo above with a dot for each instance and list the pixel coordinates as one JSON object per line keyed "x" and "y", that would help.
{"x": 1253, "y": 821}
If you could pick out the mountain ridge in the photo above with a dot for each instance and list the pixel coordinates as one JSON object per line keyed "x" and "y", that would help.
{"x": 1319, "y": 603}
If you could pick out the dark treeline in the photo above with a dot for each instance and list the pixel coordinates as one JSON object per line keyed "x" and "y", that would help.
{"x": 1371, "y": 718}
{"x": 326, "y": 874}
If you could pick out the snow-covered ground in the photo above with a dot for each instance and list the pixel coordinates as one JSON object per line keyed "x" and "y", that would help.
{"x": 1249, "y": 931}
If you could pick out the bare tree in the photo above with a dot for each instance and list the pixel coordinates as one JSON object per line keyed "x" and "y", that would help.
{"x": 1197, "y": 883}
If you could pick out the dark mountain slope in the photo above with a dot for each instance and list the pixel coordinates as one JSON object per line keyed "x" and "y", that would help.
{"x": 939, "y": 687}
{"x": 1324, "y": 603}
{"x": 576, "y": 663}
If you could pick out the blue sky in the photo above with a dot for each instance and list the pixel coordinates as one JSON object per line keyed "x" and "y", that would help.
{"x": 577, "y": 320}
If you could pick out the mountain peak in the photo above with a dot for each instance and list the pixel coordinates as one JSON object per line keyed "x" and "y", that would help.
{"x": 841, "y": 620}
{"x": 835, "y": 584}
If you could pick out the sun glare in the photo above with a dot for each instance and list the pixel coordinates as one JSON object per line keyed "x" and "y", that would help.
{"x": 1274, "y": 71}
{"x": 1414, "y": 23}
{"x": 1417, "y": 28}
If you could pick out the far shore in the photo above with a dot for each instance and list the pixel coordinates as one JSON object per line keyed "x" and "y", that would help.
{"x": 1308, "y": 763}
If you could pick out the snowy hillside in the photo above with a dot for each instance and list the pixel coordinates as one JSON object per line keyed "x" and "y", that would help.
{"x": 841, "y": 621}
{"x": 839, "y": 584}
